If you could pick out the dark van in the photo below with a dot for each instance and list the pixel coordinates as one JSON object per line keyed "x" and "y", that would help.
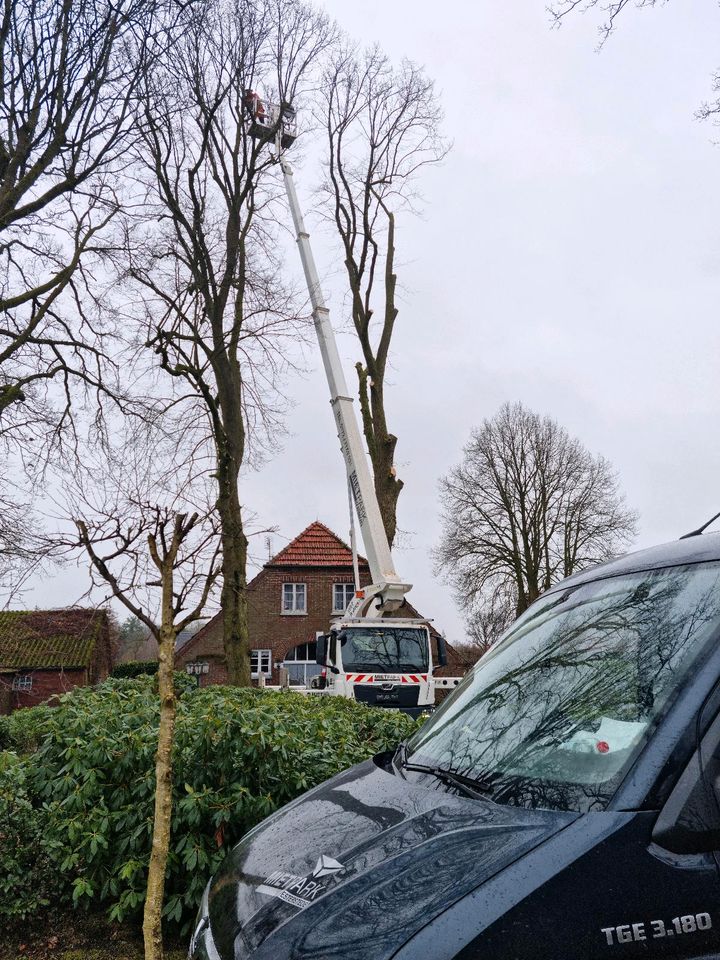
{"x": 562, "y": 804}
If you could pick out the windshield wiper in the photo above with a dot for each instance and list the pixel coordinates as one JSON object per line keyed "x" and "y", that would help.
{"x": 468, "y": 786}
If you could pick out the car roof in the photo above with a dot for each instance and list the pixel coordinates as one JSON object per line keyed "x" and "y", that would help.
{"x": 690, "y": 550}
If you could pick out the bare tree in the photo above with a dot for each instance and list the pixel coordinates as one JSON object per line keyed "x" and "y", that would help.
{"x": 132, "y": 634}
{"x": 204, "y": 259}
{"x": 152, "y": 538}
{"x": 486, "y": 624}
{"x": 611, "y": 10}
{"x": 68, "y": 78}
{"x": 527, "y": 506}
{"x": 382, "y": 127}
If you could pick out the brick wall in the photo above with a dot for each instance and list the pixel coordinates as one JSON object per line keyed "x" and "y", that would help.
{"x": 49, "y": 682}
{"x": 45, "y": 684}
{"x": 282, "y": 632}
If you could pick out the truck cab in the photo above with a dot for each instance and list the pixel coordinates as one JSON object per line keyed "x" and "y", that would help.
{"x": 563, "y": 801}
{"x": 384, "y": 663}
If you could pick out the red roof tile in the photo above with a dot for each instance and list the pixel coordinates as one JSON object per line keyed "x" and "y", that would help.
{"x": 316, "y": 546}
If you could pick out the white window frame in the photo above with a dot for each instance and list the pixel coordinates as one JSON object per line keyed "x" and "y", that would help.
{"x": 197, "y": 668}
{"x": 348, "y": 593}
{"x": 295, "y": 611}
{"x": 264, "y": 663}
{"x": 22, "y": 682}
{"x": 309, "y": 667}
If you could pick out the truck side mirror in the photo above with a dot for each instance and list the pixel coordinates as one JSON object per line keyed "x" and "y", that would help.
{"x": 441, "y": 652}
{"x": 321, "y": 650}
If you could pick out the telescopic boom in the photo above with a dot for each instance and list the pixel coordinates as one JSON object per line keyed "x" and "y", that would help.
{"x": 387, "y": 589}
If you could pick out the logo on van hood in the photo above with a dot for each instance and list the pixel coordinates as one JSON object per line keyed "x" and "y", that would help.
{"x": 301, "y": 891}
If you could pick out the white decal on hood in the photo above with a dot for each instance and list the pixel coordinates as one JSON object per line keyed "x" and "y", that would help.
{"x": 300, "y": 891}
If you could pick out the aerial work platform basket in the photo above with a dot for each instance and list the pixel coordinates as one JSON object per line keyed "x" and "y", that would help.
{"x": 267, "y": 120}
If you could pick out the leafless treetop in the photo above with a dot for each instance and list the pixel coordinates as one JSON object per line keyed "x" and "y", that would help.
{"x": 527, "y": 506}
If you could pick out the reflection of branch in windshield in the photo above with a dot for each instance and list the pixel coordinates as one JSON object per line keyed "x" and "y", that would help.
{"x": 389, "y": 650}
{"x": 617, "y": 650}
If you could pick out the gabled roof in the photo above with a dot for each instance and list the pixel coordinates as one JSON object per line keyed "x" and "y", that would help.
{"x": 316, "y": 546}
{"x": 46, "y": 639}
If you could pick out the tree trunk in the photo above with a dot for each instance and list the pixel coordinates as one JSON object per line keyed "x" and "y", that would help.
{"x": 230, "y": 444}
{"x": 387, "y": 484}
{"x": 381, "y": 447}
{"x": 152, "y": 917}
{"x": 234, "y": 596}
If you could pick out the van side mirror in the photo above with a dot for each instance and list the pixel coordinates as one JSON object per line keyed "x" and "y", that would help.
{"x": 689, "y": 821}
{"x": 441, "y": 652}
{"x": 321, "y": 650}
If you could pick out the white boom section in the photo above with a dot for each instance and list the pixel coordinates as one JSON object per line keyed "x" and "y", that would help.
{"x": 387, "y": 585}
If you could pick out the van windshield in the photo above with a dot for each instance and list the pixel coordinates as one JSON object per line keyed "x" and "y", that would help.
{"x": 384, "y": 648}
{"x": 556, "y": 712}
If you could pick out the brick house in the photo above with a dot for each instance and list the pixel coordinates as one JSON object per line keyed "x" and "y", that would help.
{"x": 48, "y": 652}
{"x": 294, "y": 597}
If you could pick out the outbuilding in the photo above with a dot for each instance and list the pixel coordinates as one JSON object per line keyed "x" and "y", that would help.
{"x": 44, "y": 653}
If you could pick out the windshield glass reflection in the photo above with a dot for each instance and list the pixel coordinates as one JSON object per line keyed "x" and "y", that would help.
{"x": 556, "y": 712}
{"x": 390, "y": 650}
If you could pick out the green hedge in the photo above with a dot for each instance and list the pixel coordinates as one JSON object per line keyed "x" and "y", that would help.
{"x": 134, "y": 668}
{"x": 23, "y": 730}
{"x": 239, "y": 754}
{"x": 29, "y": 856}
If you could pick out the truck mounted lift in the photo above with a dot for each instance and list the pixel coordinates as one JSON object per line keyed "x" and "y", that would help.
{"x": 367, "y": 654}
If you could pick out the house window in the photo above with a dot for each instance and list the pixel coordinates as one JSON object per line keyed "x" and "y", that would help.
{"x": 260, "y": 663}
{"x": 294, "y": 598}
{"x": 23, "y": 681}
{"x": 300, "y": 664}
{"x": 343, "y": 593}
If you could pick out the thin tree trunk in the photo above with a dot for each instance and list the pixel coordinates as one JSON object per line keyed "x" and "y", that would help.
{"x": 152, "y": 917}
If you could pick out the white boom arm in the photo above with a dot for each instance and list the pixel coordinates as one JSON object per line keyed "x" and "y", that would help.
{"x": 387, "y": 587}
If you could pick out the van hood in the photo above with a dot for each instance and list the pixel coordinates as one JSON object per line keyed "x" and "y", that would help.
{"x": 356, "y": 866}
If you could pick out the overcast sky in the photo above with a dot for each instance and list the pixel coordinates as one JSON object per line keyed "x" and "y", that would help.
{"x": 568, "y": 256}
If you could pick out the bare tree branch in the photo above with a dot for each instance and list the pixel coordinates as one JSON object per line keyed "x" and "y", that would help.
{"x": 611, "y": 10}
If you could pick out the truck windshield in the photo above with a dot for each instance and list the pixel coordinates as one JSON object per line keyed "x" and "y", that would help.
{"x": 556, "y": 712}
{"x": 384, "y": 648}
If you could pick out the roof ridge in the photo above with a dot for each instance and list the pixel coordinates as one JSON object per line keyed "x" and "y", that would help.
{"x": 305, "y": 549}
{"x": 93, "y": 610}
